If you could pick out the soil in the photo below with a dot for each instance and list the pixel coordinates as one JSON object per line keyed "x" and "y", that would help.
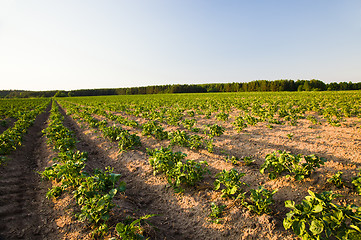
{"x": 25, "y": 213}
{"x": 24, "y": 210}
{"x": 185, "y": 216}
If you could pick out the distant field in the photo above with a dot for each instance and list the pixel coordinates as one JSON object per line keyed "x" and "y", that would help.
{"x": 197, "y": 166}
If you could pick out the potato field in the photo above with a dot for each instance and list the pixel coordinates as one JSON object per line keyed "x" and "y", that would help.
{"x": 182, "y": 166}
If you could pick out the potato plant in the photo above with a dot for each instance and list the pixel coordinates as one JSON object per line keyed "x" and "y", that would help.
{"x": 222, "y": 116}
{"x": 215, "y": 130}
{"x": 12, "y": 137}
{"x": 132, "y": 229}
{"x": 259, "y": 200}
{"x": 239, "y": 124}
{"x": 231, "y": 182}
{"x": 298, "y": 165}
{"x": 336, "y": 179}
{"x": 164, "y": 159}
{"x": 182, "y": 138}
{"x": 178, "y": 172}
{"x": 128, "y": 141}
{"x": 93, "y": 193}
{"x": 216, "y": 213}
{"x": 356, "y": 182}
{"x": 316, "y": 217}
{"x": 112, "y": 132}
{"x": 185, "y": 113}
{"x": 153, "y": 128}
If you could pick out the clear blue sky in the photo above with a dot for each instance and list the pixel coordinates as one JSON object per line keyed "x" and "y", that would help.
{"x": 78, "y": 44}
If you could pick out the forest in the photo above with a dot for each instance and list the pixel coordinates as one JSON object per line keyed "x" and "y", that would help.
{"x": 253, "y": 86}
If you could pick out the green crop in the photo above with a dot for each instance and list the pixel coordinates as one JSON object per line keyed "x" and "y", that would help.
{"x": 239, "y": 124}
{"x": 191, "y": 113}
{"x": 259, "y": 200}
{"x": 188, "y": 123}
{"x": 316, "y": 217}
{"x": 179, "y": 137}
{"x": 216, "y": 213}
{"x": 153, "y": 128}
{"x": 336, "y": 179}
{"x": 222, "y": 116}
{"x": 356, "y": 182}
{"x": 131, "y": 123}
{"x": 112, "y": 132}
{"x": 177, "y": 172}
{"x": 251, "y": 120}
{"x": 164, "y": 159}
{"x": 234, "y": 160}
{"x": 312, "y": 119}
{"x": 231, "y": 180}
{"x": 133, "y": 230}
{"x": 237, "y": 161}
{"x": 210, "y": 145}
{"x": 12, "y": 137}
{"x": 128, "y": 141}
{"x": 216, "y": 130}
{"x": 248, "y": 161}
{"x": 195, "y": 142}
{"x": 93, "y": 193}
{"x": 279, "y": 162}
{"x": 183, "y": 139}
{"x": 334, "y": 122}
{"x": 188, "y": 173}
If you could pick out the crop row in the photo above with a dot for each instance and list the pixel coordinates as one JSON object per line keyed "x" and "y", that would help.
{"x": 314, "y": 218}
{"x": 12, "y": 137}
{"x": 15, "y": 108}
{"x": 93, "y": 192}
{"x": 178, "y": 173}
{"x": 149, "y": 128}
{"x": 251, "y": 108}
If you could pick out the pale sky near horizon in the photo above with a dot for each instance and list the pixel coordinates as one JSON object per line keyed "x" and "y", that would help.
{"x": 84, "y": 44}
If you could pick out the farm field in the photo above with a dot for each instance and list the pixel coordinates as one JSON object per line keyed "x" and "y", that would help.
{"x": 182, "y": 166}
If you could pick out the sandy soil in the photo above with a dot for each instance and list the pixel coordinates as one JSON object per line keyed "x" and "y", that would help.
{"x": 185, "y": 216}
{"x": 25, "y": 213}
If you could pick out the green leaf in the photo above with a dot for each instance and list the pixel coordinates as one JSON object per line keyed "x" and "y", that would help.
{"x": 298, "y": 227}
{"x": 316, "y": 227}
{"x": 233, "y": 190}
{"x": 354, "y": 235}
{"x": 122, "y": 186}
{"x": 120, "y": 227}
{"x": 287, "y": 223}
{"x": 356, "y": 228}
{"x": 312, "y": 193}
{"x": 113, "y": 192}
{"x": 317, "y": 208}
{"x": 290, "y": 204}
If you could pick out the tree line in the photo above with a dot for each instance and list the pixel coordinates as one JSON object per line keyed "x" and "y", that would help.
{"x": 254, "y": 86}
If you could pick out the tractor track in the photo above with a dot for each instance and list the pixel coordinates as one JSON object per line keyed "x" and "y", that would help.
{"x": 21, "y": 190}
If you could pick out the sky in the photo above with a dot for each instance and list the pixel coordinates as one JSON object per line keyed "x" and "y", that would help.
{"x": 86, "y": 44}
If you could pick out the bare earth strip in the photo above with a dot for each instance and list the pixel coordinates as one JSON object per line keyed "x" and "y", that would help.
{"x": 24, "y": 211}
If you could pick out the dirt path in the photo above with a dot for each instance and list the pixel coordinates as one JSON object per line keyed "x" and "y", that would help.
{"x": 22, "y": 194}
